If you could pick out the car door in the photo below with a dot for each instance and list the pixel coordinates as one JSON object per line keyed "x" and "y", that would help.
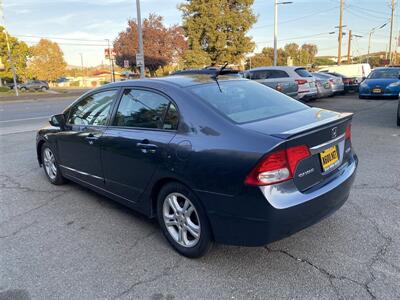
{"x": 137, "y": 142}
{"x": 79, "y": 145}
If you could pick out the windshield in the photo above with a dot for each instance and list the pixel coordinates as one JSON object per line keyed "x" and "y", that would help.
{"x": 246, "y": 101}
{"x": 385, "y": 73}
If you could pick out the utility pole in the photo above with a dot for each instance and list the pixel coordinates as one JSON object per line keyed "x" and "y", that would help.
{"x": 140, "y": 38}
{"x": 391, "y": 32}
{"x": 9, "y": 51}
{"x": 111, "y": 62}
{"x": 340, "y": 33}
{"x": 349, "y": 48}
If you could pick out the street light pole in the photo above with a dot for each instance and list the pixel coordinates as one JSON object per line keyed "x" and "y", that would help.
{"x": 276, "y": 33}
{"x": 276, "y": 3}
{"x": 391, "y": 32}
{"x": 370, "y": 37}
{"x": 140, "y": 38}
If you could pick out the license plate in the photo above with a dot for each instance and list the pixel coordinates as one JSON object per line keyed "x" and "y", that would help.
{"x": 329, "y": 158}
{"x": 377, "y": 91}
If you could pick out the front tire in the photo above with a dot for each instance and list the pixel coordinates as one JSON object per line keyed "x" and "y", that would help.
{"x": 183, "y": 220}
{"x": 43, "y": 89}
{"x": 50, "y": 166}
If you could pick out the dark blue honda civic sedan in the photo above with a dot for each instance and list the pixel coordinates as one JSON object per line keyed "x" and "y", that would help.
{"x": 219, "y": 159}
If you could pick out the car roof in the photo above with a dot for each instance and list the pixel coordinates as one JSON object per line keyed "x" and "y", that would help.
{"x": 283, "y": 68}
{"x": 386, "y": 68}
{"x": 183, "y": 80}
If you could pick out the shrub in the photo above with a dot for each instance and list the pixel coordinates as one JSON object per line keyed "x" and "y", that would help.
{"x": 4, "y": 89}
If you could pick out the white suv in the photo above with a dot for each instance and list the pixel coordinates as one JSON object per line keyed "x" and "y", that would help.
{"x": 307, "y": 85}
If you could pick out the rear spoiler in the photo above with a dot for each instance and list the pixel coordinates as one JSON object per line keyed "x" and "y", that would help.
{"x": 316, "y": 125}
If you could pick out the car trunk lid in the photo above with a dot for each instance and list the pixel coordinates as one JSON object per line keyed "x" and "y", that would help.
{"x": 322, "y": 131}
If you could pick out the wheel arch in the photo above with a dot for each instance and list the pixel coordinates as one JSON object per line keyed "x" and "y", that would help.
{"x": 39, "y": 146}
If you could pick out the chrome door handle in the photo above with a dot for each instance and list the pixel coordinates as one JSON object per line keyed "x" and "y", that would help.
{"x": 147, "y": 148}
{"x": 91, "y": 138}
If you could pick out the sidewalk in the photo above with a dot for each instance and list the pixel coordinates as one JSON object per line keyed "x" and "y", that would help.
{"x": 50, "y": 95}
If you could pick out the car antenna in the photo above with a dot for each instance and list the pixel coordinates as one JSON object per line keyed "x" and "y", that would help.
{"x": 215, "y": 76}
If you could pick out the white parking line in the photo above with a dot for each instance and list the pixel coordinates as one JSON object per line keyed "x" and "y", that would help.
{"x": 26, "y": 119}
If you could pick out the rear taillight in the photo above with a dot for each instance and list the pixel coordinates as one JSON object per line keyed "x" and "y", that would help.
{"x": 301, "y": 81}
{"x": 277, "y": 166}
{"x": 348, "y": 132}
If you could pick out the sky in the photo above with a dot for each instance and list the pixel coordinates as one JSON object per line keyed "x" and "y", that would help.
{"x": 81, "y": 26}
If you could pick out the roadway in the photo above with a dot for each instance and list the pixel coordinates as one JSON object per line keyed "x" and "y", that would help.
{"x": 66, "y": 242}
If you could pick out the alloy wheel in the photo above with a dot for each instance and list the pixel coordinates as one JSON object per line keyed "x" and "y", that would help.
{"x": 181, "y": 220}
{"x": 49, "y": 162}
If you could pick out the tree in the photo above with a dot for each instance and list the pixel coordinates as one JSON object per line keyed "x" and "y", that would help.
{"x": 292, "y": 51}
{"x": 307, "y": 54}
{"x": 47, "y": 62}
{"x": 19, "y": 52}
{"x": 218, "y": 29}
{"x": 161, "y": 45}
{"x": 266, "y": 58}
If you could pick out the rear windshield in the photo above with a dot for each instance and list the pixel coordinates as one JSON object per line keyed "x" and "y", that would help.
{"x": 385, "y": 73}
{"x": 303, "y": 72}
{"x": 246, "y": 101}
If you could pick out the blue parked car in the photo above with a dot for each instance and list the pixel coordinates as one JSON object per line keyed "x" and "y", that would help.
{"x": 381, "y": 82}
{"x": 213, "y": 158}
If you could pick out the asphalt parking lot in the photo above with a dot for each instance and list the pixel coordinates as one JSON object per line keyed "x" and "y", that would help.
{"x": 66, "y": 242}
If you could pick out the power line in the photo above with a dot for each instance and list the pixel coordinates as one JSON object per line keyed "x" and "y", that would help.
{"x": 296, "y": 19}
{"x": 58, "y": 38}
{"x": 71, "y": 44}
{"x": 298, "y": 37}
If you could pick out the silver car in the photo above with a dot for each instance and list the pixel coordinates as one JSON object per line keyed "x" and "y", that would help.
{"x": 276, "y": 79}
{"x": 336, "y": 82}
{"x": 324, "y": 87}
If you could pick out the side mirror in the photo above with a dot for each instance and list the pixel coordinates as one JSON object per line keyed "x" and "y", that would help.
{"x": 57, "y": 121}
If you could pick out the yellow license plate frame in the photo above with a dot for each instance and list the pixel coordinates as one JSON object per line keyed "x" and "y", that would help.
{"x": 329, "y": 158}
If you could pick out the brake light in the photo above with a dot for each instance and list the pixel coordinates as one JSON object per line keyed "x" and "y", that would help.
{"x": 278, "y": 166}
{"x": 301, "y": 81}
{"x": 348, "y": 132}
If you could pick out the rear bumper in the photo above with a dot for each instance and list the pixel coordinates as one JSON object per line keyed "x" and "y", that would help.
{"x": 307, "y": 96}
{"x": 249, "y": 219}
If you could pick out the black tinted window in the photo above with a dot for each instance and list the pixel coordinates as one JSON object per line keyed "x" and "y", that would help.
{"x": 277, "y": 74}
{"x": 385, "y": 73}
{"x": 256, "y": 75}
{"x": 303, "y": 72}
{"x": 246, "y": 101}
{"x": 139, "y": 108}
{"x": 92, "y": 110}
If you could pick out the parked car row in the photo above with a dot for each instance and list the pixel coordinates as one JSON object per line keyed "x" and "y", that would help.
{"x": 310, "y": 86}
{"x": 32, "y": 85}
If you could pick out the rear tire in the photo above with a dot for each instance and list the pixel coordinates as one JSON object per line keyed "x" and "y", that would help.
{"x": 183, "y": 220}
{"x": 43, "y": 89}
{"x": 23, "y": 89}
{"x": 50, "y": 166}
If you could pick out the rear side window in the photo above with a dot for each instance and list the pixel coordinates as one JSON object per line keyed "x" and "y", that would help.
{"x": 246, "y": 101}
{"x": 277, "y": 74}
{"x": 145, "y": 109}
{"x": 303, "y": 72}
{"x": 256, "y": 75}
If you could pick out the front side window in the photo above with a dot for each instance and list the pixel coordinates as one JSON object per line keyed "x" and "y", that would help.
{"x": 245, "y": 101}
{"x": 92, "y": 110}
{"x": 144, "y": 109}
